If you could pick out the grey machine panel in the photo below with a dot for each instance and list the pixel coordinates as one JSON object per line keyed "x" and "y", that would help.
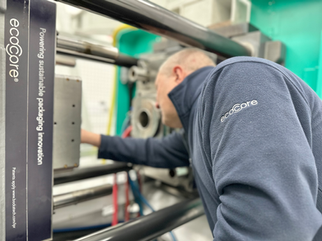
{"x": 67, "y": 122}
{"x": 2, "y": 123}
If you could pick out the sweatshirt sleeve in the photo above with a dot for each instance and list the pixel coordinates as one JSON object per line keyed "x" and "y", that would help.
{"x": 167, "y": 152}
{"x": 262, "y": 163}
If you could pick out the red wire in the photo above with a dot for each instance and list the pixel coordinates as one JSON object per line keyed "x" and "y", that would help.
{"x": 126, "y": 134}
{"x": 127, "y": 199}
{"x": 140, "y": 186}
{"x": 115, "y": 191}
{"x": 139, "y": 181}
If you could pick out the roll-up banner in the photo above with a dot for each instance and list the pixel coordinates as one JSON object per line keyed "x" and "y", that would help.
{"x": 29, "y": 44}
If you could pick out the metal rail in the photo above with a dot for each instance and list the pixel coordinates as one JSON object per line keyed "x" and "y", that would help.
{"x": 66, "y": 61}
{"x": 84, "y": 173}
{"x": 151, "y": 226}
{"x": 75, "y": 197}
{"x": 86, "y": 50}
{"x": 155, "y": 19}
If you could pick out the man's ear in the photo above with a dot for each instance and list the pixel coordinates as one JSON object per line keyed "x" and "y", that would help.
{"x": 179, "y": 73}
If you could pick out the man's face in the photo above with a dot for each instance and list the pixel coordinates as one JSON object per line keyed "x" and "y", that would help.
{"x": 164, "y": 84}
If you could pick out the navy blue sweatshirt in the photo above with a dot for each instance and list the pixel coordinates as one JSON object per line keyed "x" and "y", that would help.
{"x": 254, "y": 131}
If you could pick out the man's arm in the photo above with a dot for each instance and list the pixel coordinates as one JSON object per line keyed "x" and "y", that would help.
{"x": 167, "y": 152}
{"x": 262, "y": 162}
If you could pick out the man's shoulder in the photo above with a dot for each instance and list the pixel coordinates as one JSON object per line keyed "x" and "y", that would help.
{"x": 246, "y": 75}
{"x": 247, "y": 68}
{"x": 249, "y": 62}
{"x": 241, "y": 70}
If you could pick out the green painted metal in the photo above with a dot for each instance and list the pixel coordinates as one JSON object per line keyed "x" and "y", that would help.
{"x": 133, "y": 43}
{"x": 319, "y": 82}
{"x": 298, "y": 24}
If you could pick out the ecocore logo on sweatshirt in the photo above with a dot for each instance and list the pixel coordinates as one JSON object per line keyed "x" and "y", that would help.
{"x": 238, "y": 107}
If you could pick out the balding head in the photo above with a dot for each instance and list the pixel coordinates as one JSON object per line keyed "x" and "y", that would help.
{"x": 173, "y": 71}
{"x": 191, "y": 59}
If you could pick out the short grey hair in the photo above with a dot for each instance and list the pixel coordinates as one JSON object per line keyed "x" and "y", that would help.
{"x": 190, "y": 59}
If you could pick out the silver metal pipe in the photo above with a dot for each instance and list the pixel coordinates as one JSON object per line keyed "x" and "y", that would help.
{"x": 86, "y": 50}
{"x": 155, "y": 19}
{"x": 138, "y": 74}
{"x": 71, "y": 198}
{"x": 65, "y": 60}
{"x": 73, "y": 53}
{"x": 108, "y": 52}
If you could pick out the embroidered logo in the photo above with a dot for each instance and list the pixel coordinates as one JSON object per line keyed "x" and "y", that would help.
{"x": 238, "y": 107}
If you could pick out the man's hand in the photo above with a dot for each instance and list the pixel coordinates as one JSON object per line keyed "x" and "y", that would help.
{"x": 90, "y": 138}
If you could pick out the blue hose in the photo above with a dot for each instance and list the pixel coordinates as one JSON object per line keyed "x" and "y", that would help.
{"x": 138, "y": 193}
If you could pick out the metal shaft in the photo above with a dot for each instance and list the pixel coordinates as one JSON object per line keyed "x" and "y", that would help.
{"x": 86, "y": 50}
{"x": 155, "y": 19}
{"x": 64, "y": 60}
{"x": 84, "y": 173}
{"x": 68, "y": 199}
{"x": 151, "y": 226}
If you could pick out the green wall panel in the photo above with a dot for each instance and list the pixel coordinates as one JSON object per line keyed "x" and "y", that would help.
{"x": 133, "y": 43}
{"x": 319, "y": 82}
{"x": 298, "y": 24}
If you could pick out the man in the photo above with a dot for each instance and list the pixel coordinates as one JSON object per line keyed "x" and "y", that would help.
{"x": 253, "y": 131}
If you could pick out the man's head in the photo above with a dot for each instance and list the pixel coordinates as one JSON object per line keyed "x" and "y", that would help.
{"x": 171, "y": 73}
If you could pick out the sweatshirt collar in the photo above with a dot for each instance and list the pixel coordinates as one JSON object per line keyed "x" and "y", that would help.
{"x": 185, "y": 94}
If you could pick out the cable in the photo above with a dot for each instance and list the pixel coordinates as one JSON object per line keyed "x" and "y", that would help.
{"x": 135, "y": 194}
{"x": 127, "y": 200}
{"x": 139, "y": 185}
{"x": 115, "y": 204}
{"x": 127, "y": 121}
{"x": 127, "y": 132}
{"x": 132, "y": 184}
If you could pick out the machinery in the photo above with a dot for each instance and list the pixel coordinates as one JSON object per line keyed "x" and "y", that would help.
{"x": 37, "y": 108}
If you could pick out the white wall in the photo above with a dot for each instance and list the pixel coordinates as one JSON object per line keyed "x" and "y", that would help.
{"x": 208, "y": 12}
